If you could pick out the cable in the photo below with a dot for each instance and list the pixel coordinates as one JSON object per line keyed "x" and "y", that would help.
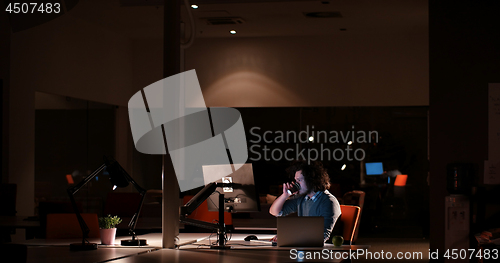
{"x": 209, "y": 241}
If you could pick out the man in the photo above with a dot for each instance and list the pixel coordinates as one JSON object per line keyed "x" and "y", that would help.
{"x": 313, "y": 198}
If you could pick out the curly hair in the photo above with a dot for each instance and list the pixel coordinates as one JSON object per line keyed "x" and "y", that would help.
{"x": 315, "y": 175}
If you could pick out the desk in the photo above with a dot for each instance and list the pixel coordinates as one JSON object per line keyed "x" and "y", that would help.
{"x": 44, "y": 254}
{"x": 57, "y": 250}
{"x": 9, "y": 223}
{"x": 154, "y": 241}
{"x": 221, "y": 256}
{"x": 237, "y": 242}
{"x": 244, "y": 251}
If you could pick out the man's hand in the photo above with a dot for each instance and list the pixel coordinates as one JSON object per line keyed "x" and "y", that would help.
{"x": 274, "y": 239}
{"x": 278, "y": 203}
{"x": 286, "y": 187}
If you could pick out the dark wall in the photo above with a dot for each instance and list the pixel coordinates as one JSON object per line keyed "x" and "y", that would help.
{"x": 402, "y": 141}
{"x": 5, "y": 34}
{"x": 464, "y": 58}
{"x": 72, "y": 142}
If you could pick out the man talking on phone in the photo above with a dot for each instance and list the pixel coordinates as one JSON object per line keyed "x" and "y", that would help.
{"x": 312, "y": 199}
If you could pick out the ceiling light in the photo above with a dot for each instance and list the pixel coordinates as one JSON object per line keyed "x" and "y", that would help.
{"x": 194, "y": 6}
{"x": 311, "y": 138}
{"x": 349, "y": 143}
{"x": 343, "y": 167}
{"x": 232, "y": 32}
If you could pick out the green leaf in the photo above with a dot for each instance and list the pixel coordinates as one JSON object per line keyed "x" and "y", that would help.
{"x": 109, "y": 222}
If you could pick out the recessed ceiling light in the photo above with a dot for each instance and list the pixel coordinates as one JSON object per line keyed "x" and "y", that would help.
{"x": 232, "y": 32}
{"x": 194, "y": 6}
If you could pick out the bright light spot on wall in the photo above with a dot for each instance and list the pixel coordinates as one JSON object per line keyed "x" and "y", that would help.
{"x": 194, "y": 6}
{"x": 349, "y": 143}
{"x": 311, "y": 138}
{"x": 343, "y": 167}
{"x": 232, "y": 32}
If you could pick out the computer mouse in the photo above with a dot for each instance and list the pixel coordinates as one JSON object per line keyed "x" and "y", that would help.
{"x": 251, "y": 237}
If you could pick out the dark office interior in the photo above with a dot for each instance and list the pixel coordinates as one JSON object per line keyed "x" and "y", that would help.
{"x": 417, "y": 74}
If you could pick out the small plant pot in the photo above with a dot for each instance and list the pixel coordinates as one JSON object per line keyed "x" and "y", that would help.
{"x": 108, "y": 236}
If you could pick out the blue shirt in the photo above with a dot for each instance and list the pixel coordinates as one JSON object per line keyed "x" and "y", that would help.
{"x": 321, "y": 204}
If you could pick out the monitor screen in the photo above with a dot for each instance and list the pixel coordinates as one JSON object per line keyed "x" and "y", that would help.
{"x": 241, "y": 198}
{"x": 374, "y": 168}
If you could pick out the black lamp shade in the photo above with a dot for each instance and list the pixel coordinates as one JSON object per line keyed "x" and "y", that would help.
{"x": 116, "y": 173}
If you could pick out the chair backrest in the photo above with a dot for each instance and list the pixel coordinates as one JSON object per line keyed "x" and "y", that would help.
{"x": 201, "y": 213}
{"x": 67, "y": 226}
{"x": 350, "y": 219}
{"x": 400, "y": 180}
{"x": 356, "y": 198}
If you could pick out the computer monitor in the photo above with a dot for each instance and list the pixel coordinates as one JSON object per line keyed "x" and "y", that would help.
{"x": 242, "y": 197}
{"x": 374, "y": 168}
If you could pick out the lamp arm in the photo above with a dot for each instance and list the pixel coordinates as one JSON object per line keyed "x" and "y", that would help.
{"x": 133, "y": 222}
{"x": 132, "y": 181}
{"x": 136, "y": 186}
{"x": 83, "y": 226}
{"x": 198, "y": 199}
{"x": 72, "y": 191}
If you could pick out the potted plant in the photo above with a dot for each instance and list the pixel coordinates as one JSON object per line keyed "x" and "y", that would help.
{"x": 107, "y": 229}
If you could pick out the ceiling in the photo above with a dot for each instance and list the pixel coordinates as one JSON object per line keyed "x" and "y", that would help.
{"x": 286, "y": 18}
{"x": 267, "y": 18}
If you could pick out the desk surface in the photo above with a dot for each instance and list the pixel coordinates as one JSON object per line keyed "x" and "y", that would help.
{"x": 243, "y": 251}
{"x": 237, "y": 242}
{"x": 44, "y": 254}
{"x": 154, "y": 241}
{"x": 208, "y": 255}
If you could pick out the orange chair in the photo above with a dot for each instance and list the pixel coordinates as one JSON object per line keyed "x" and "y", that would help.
{"x": 350, "y": 219}
{"x": 356, "y": 198}
{"x": 67, "y": 226}
{"x": 401, "y": 180}
{"x": 201, "y": 213}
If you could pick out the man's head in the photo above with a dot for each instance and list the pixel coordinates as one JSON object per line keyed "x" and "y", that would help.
{"x": 311, "y": 177}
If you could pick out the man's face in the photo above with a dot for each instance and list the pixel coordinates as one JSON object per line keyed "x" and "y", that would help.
{"x": 299, "y": 178}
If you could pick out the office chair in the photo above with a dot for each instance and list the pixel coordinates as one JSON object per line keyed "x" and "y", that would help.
{"x": 350, "y": 219}
{"x": 356, "y": 198}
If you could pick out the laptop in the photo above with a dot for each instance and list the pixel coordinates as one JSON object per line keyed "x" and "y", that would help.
{"x": 302, "y": 231}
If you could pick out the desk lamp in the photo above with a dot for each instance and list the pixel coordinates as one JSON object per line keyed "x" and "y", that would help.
{"x": 119, "y": 178}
